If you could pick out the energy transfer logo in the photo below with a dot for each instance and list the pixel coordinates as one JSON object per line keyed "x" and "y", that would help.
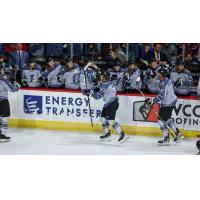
{"x": 144, "y": 113}
{"x": 32, "y": 104}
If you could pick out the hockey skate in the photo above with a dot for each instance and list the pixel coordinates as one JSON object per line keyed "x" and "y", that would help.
{"x": 164, "y": 141}
{"x": 123, "y": 137}
{"x": 106, "y": 137}
{"x": 179, "y": 137}
{"x": 4, "y": 138}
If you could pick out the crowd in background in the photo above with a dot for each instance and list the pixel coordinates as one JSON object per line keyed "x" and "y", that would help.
{"x": 54, "y": 64}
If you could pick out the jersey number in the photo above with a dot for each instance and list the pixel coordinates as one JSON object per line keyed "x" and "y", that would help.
{"x": 31, "y": 78}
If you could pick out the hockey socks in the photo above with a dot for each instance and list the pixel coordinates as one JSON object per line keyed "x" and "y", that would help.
{"x": 4, "y": 125}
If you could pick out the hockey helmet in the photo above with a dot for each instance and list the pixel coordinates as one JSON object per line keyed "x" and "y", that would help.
{"x": 180, "y": 62}
{"x": 163, "y": 71}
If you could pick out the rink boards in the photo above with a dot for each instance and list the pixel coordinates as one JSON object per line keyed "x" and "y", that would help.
{"x": 68, "y": 110}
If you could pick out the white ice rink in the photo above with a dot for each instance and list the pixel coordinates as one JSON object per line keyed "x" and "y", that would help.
{"x": 37, "y": 141}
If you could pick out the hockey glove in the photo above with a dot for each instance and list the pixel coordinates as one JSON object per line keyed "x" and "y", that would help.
{"x": 98, "y": 71}
{"x": 59, "y": 79}
{"x": 46, "y": 80}
{"x": 17, "y": 86}
{"x": 94, "y": 82}
{"x": 114, "y": 77}
{"x": 86, "y": 92}
{"x": 40, "y": 79}
{"x": 127, "y": 85}
{"x": 178, "y": 83}
{"x": 24, "y": 83}
{"x": 97, "y": 89}
{"x": 126, "y": 76}
{"x": 138, "y": 81}
{"x": 151, "y": 74}
{"x": 148, "y": 101}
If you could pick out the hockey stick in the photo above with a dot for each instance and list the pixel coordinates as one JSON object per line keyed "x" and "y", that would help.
{"x": 158, "y": 116}
{"x": 91, "y": 120}
{"x": 13, "y": 72}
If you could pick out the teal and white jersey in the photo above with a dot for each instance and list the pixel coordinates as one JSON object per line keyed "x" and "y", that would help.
{"x": 6, "y": 86}
{"x": 132, "y": 85}
{"x": 107, "y": 91}
{"x": 85, "y": 78}
{"x": 32, "y": 77}
{"x": 151, "y": 81}
{"x": 71, "y": 78}
{"x": 51, "y": 75}
{"x": 185, "y": 79}
{"x": 119, "y": 81}
{"x": 166, "y": 95}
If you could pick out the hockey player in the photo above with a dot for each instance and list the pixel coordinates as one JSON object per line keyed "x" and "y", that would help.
{"x": 51, "y": 73}
{"x": 5, "y": 86}
{"x": 150, "y": 78}
{"x": 107, "y": 91}
{"x": 130, "y": 77}
{"x": 87, "y": 76}
{"x": 70, "y": 75}
{"x": 167, "y": 100}
{"x": 181, "y": 78}
{"x": 117, "y": 76}
{"x": 32, "y": 76}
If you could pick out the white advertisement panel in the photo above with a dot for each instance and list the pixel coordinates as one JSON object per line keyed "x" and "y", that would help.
{"x": 73, "y": 107}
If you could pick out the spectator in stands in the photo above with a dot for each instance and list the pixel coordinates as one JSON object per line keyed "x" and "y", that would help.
{"x": 158, "y": 54}
{"x": 145, "y": 50}
{"x": 191, "y": 60}
{"x": 111, "y": 58}
{"x": 37, "y": 50}
{"x": 131, "y": 83}
{"x": 117, "y": 54}
{"x": 77, "y": 50}
{"x": 51, "y": 73}
{"x": 150, "y": 78}
{"x": 54, "y": 50}
{"x": 191, "y": 48}
{"x": 121, "y": 55}
{"x": 134, "y": 51}
{"x": 11, "y": 47}
{"x": 181, "y": 78}
{"x": 91, "y": 50}
{"x": 1, "y": 48}
{"x": 117, "y": 75}
{"x": 105, "y": 49}
{"x": 171, "y": 50}
{"x": 32, "y": 76}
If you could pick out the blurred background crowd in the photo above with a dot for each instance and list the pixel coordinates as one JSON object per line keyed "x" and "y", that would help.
{"x": 58, "y": 65}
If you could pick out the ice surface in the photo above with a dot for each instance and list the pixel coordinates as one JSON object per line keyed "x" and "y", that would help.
{"x": 38, "y": 141}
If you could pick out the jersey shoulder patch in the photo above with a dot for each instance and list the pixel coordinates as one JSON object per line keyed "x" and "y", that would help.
{"x": 3, "y": 78}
